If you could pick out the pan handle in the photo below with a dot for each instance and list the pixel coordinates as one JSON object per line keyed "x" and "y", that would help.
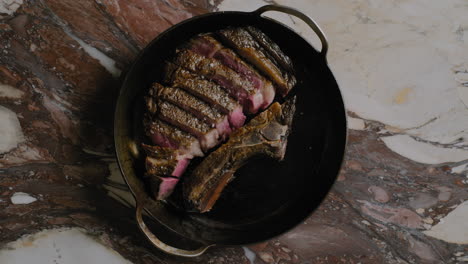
{"x": 161, "y": 245}
{"x": 309, "y": 21}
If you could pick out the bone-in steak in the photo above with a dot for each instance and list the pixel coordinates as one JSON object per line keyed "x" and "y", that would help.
{"x": 266, "y": 134}
{"x": 206, "y": 92}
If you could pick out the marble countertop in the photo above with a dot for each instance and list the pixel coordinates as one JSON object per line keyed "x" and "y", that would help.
{"x": 402, "y": 196}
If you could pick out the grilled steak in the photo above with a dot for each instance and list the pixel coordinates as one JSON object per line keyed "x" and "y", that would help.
{"x": 266, "y": 134}
{"x": 242, "y": 42}
{"x": 195, "y": 106}
{"x": 206, "y": 90}
{"x": 166, "y": 135}
{"x": 189, "y": 123}
{"x": 208, "y": 135}
{"x": 162, "y": 187}
{"x": 250, "y": 98}
{"x": 209, "y": 47}
{"x": 162, "y": 161}
{"x": 163, "y": 167}
{"x": 272, "y": 48}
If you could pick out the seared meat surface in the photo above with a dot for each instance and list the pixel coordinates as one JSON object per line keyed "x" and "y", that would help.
{"x": 209, "y": 47}
{"x": 206, "y": 133}
{"x": 191, "y": 104}
{"x": 206, "y": 92}
{"x": 166, "y": 135}
{"x": 243, "y": 43}
{"x": 163, "y": 167}
{"x": 201, "y": 109}
{"x": 272, "y": 48}
{"x": 239, "y": 88}
{"x": 266, "y": 134}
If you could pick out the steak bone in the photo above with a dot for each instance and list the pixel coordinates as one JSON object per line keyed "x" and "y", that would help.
{"x": 266, "y": 134}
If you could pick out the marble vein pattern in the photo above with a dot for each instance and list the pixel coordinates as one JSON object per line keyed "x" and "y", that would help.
{"x": 401, "y": 196}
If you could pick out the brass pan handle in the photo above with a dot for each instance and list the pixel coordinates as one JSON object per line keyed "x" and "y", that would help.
{"x": 309, "y": 21}
{"x": 161, "y": 245}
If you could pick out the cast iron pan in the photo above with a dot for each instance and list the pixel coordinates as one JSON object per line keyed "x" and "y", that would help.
{"x": 267, "y": 197}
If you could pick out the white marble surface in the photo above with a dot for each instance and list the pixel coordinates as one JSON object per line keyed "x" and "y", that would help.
{"x": 104, "y": 60}
{"x": 11, "y": 133}
{"x": 22, "y": 198}
{"x": 454, "y": 227}
{"x": 59, "y": 246}
{"x": 9, "y": 6}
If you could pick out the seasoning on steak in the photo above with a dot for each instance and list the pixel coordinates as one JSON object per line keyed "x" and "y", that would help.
{"x": 163, "y": 161}
{"x": 202, "y": 110}
{"x": 241, "y": 89}
{"x": 166, "y": 135}
{"x": 272, "y": 48}
{"x": 176, "y": 116}
{"x": 248, "y": 48}
{"x": 266, "y": 134}
{"x": 206, "y": 90}
{"x": 207, "y": 134}
{"x": 163, "y": 167}
{"x": 209, "y": 47}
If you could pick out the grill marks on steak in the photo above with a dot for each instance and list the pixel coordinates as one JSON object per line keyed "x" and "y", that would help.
{"x": 209, "y": 47}
{"x": 168, "y": 111}
{"x": 166, "y": 135}
{"x": 241, "y": 89}
{"x": 248, "y": 48}
{"x": 162, "y": 187}
{"x": 197, "y": 107}
{"x": 272, "y": 48}
{"x": 163, "y": 161}
{"x": 208, "y": 90}
{"x": 176, "y": 116}
{"x": 189, "y": 103}
{"x": 201, "y": 87}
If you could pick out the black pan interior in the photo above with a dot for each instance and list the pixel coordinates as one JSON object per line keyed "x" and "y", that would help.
{"x": 267, "y": 197}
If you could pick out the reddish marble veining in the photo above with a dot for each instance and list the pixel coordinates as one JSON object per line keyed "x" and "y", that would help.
{"x": 143, "y": 20}
{"x": 93, "y": 25}
{"x": 66, "y": 108}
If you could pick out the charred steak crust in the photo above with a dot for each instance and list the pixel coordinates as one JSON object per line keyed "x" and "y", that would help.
{"x": 208, "y": 90}
{"x": 266, "y": 134}
{"x": 238, "y": 87}
{"x": 206, "y": 45}
{"x": 243, "y": 43}
{"x": 164, "y": 166}
{"x": 166, "y": 135}
{"x": 202, "y": 110}
{"x": 272, "y": 48}
{"x": 190, "y": 103}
